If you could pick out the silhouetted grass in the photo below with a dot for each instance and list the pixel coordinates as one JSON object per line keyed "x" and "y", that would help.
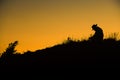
{"x": 69, "y": 54}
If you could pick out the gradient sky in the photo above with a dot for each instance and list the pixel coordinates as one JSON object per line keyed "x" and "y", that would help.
{"x": 38, "y": 24}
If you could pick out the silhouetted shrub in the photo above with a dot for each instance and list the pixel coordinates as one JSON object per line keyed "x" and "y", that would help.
{"x": 11, "y": 48}
{"x": 113, "y": 36}
{"x": 9, "y": 52}
{"x": 69, "y": 40}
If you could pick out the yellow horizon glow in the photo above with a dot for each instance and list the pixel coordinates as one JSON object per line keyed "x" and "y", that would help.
{"x": 38, "y": 24}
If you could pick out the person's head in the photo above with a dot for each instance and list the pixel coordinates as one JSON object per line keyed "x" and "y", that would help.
{"x": 94, "y": 27}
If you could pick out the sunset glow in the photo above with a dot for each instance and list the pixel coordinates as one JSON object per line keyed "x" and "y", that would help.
{"x": 38, "y": 24}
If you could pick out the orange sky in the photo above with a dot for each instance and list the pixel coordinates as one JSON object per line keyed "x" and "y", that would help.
{"x": 37, "y": 24}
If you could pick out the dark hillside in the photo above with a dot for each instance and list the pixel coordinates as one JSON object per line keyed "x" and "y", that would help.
{"x": 72, "y": 54}
{"x": 95, "y": 52}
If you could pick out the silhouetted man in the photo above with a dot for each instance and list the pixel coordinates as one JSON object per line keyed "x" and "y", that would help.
{"x": 98, "y": 36}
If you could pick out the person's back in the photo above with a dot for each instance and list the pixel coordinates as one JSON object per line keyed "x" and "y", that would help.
{"x": 98, "y": 36}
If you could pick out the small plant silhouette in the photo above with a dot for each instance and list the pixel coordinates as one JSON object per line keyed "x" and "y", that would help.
{"x": 9, "y": 52}
{"x": 11, "y": 48}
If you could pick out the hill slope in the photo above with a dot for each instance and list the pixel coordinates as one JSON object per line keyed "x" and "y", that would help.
{"x": 72, "y": 54}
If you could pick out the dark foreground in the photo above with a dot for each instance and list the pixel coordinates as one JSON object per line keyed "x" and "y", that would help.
{"x": 73, "y": 54}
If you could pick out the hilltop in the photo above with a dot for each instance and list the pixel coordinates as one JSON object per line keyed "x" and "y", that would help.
{"x": 94, "y": 52}
{"x": 70, "y": 54}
